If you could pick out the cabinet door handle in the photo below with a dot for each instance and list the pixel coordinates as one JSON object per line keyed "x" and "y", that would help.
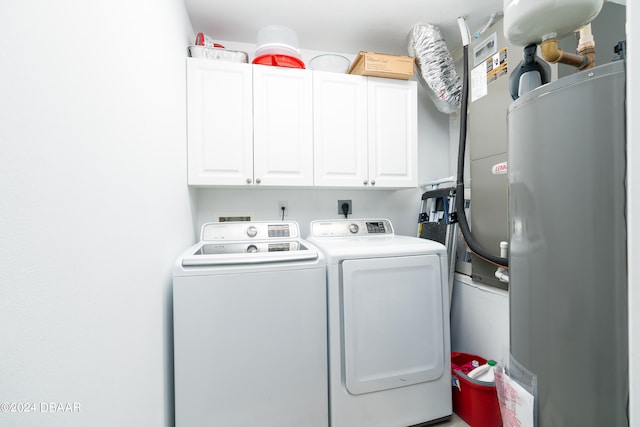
{"x": 248, "y": 180}
{"x": 258, "y": 180}
{"x": 365, "y": 182}
{"x": 373, "y": 183}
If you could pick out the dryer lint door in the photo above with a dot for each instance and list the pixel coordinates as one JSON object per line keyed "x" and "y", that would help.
{"x": 392, "y": 322}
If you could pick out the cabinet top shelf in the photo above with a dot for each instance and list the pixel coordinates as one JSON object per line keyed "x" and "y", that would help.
{"x": 220, "y": 64}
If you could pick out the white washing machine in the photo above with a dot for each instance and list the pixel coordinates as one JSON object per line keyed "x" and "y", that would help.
{"x": 389, "y": 344}
{"x": 250, "y": 334}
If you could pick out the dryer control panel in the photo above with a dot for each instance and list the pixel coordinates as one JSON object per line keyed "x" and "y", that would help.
{"x": 351, "y": 227}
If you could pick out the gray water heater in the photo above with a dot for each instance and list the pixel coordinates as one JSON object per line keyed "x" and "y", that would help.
{"x": 568, "y": 270}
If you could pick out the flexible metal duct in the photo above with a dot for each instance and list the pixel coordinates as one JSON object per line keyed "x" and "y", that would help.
{"x": 437, "y": 70}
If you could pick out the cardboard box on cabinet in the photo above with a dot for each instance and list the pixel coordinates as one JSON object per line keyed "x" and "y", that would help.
{"x": 383, "y": 65}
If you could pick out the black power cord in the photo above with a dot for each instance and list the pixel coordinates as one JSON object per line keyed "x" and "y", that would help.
{"x": 473, "y": 245}
{"x": 345, "y": 209}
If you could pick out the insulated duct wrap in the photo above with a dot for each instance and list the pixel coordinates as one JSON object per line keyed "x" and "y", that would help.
{"x": 437, "y": 70}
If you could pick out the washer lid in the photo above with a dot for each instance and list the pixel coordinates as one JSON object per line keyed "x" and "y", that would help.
{"x": 248, "y": 242}
{"x": 225, "y": 253}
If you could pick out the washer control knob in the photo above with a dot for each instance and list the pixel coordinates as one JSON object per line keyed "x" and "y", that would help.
{"x": 353, "y": 228}
{"x": 251, "y": 249}
{"x": 252, "y": 231}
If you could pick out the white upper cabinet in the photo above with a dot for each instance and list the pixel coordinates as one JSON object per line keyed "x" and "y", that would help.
{"x": 393, "y": 133}
{"x": 283, "y": 126}
{"x": 365, "y": 131}
{"x": 219, "y": 123}
{"x": 273, "y": 126}
{"x": 249, "y": 125}
{"x": 340, "y": 129}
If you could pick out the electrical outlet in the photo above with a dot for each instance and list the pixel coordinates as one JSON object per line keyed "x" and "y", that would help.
{"x": 283, "y": 204}
{"x": 341, "y": 203}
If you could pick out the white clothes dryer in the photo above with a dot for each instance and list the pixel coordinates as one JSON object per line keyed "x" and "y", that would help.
{"x": 388, "y": 325}
{"x": 250, "y": 334}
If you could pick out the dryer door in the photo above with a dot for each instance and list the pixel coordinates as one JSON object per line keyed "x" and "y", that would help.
{"x": 392, "y": 322}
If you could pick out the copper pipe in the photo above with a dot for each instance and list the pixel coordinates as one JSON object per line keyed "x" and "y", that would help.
{"x": 591, "y": 58}
{"x": 552, "y": 53}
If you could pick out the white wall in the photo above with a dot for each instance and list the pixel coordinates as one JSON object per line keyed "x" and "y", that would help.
{"x": 94, "y": 208}
{"x": 305, "y": 205}
{"x": 479, "y": 319}
{"x": 633, "y": 204}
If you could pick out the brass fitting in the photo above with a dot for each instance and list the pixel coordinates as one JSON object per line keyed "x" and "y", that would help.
{"x": 552, "y": 53}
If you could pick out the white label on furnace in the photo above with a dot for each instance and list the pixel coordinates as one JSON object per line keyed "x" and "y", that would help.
{"x": 478, "y": 82}
{"x": 500, "y": 169}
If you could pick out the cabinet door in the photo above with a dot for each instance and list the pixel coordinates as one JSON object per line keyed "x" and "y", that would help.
{"x": 219, "y": 123}
{"x": 340, "y": 129}
{"x": 283, "y": 133}
{"x": 393, "y": 133}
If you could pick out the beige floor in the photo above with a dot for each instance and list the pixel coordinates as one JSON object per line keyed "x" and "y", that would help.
{"x": 455, "y": 421}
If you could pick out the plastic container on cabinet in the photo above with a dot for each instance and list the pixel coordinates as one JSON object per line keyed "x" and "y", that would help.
{"x": 278, "y": 46}
{"x": 204, "y": 40}
{"x": 218, "y": 54}
{"x": 277, "y": 60}
{"x": 476, "y": 402}
{"x": 277, "y": 35}
{"x": 330, "y": 62}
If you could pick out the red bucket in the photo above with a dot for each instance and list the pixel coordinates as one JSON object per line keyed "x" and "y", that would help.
{"x": 476, "y": 402}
